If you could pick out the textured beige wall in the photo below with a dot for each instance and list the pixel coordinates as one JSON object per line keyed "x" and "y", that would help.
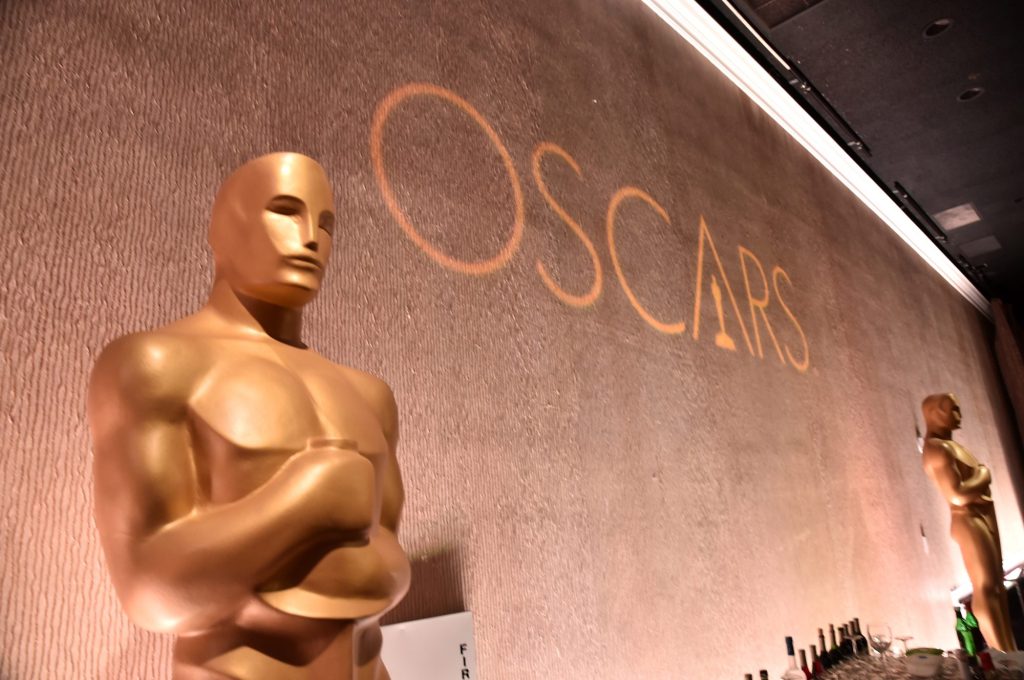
{"x": 610, "y": 501}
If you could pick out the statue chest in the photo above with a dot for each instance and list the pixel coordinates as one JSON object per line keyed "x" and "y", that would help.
{"x": 965, "y": 460}
{"x": 255, "y": 409}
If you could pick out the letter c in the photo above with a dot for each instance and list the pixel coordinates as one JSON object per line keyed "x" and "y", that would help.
{"x": 613, "y": 207}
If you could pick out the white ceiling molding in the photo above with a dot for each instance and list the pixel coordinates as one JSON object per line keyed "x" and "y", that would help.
{"x": 700, "y": 30}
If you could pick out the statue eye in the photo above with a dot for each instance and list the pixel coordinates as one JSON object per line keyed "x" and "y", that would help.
{"x": 327, "y": 222}
{"x": 285, "y": 205}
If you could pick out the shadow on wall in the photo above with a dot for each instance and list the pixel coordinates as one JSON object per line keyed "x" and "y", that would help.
{"x": 436, "y": 590}
{"x": 1009, "y": 352}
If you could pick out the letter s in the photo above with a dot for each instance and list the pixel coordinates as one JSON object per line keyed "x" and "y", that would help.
{"x": 590, "y": 296}
{"x": 802, "y": 365}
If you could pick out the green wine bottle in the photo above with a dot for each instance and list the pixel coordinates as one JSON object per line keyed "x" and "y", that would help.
{"x": 964, "y": 632}
{"x": 980, "y": 643}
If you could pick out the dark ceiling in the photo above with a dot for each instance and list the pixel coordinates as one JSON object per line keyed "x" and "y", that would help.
{"x": 898, "y": 82}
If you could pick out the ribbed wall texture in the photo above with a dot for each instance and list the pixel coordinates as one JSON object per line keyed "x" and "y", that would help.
{"x": 610, "y": 501}
{"x": 1009, "y": 357}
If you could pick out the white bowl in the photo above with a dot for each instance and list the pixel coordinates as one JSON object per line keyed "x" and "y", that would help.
{"x": 924, "y": 665}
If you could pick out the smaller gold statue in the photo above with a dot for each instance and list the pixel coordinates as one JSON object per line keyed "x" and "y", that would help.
{"x": 966, "y": 485}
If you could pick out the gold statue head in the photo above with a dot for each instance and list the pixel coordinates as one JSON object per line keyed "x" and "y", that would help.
{"x": 272, "y": 227}
{"x": 941, "y": 412}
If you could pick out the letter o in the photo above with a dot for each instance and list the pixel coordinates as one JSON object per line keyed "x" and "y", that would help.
{"x": 380, "y": 117}
{"x": 613, "y": 207}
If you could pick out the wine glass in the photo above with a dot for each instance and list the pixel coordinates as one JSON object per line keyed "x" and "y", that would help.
{"x": 904, "y": 647}
{"x": 880, "y": 639}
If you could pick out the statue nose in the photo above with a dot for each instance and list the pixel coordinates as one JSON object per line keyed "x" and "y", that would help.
{"x": 308, "y": 234}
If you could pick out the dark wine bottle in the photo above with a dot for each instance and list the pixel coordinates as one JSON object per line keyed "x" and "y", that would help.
{"x": 763, "y": 674}
{"x": 851, "y": 637}
{"x": 862, "y": 641}
{"x": 975, "y": 665}
{"x": 803, "y": 665}
{"x": 823, "y": 657}
{"x": 833, "y": 651}
{"x": 817, "y": 668}
{"x": 987, "y": 667}
{"x": 845, "y": 648}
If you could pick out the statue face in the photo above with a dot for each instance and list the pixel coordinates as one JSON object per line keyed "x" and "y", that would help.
{"x": 953, "y": 412}
{"x": 942, "y": 411}
{"x": 272, "y": 229}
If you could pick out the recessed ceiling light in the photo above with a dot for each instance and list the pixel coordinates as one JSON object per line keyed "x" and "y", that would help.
{"x": 937, "y": 28}
{"x": 957, "y": 216}
{"x": 969, "y": 94}
{"x": 981, "y": 246}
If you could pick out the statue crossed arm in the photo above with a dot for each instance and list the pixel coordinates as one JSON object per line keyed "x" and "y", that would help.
{"x": 153, "y": 511}
{"x": 247, "y": 490}
{"x": 940, "y": 460}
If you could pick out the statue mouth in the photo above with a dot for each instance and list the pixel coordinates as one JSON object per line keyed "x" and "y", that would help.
{"x": 304, "y": 262}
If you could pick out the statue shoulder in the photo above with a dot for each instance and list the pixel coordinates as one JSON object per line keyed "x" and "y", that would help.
{"x": 937, "y": 452}
{"x": 141, "y": 369}
{"x": 378, "y": 395}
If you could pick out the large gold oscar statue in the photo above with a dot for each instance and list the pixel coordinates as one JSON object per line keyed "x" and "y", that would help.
{"x": 966, "y": 485}
{"x": 247, "y": 492}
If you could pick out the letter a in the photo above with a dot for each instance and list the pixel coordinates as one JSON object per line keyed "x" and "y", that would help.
{"x": 722, "y": 338}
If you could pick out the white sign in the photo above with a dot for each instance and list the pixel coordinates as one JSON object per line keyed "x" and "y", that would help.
{"x": 431, "y": 649}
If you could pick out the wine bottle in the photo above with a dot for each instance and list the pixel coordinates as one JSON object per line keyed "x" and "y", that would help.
{"x": 851, "y": 636}
{"x": 975, "y": 667}
{"x": 833, "y": 651}
{"x": 817, "y": 668}
{"x": 763, "y": 674}
{"x": 987, "y": 667}
{"x": 965, "y": 634}
{"x": 979, "y": 640}
{"x": 792, "y": 672}
{"x": 823, "y": 659}
{"x": 748, "y": 676}
{"x": 803, "y": 665}
{"x": 844, "y": 644}
{"x": 861, "y": 639}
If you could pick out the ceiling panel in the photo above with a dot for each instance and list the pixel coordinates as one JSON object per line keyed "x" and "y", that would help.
{"x": 900, "y": 91}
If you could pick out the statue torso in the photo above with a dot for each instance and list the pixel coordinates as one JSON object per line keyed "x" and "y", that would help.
{"x": 966, "y": 464}
{"x": 258, "y": 403}
{"x": 254, "y": 403}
